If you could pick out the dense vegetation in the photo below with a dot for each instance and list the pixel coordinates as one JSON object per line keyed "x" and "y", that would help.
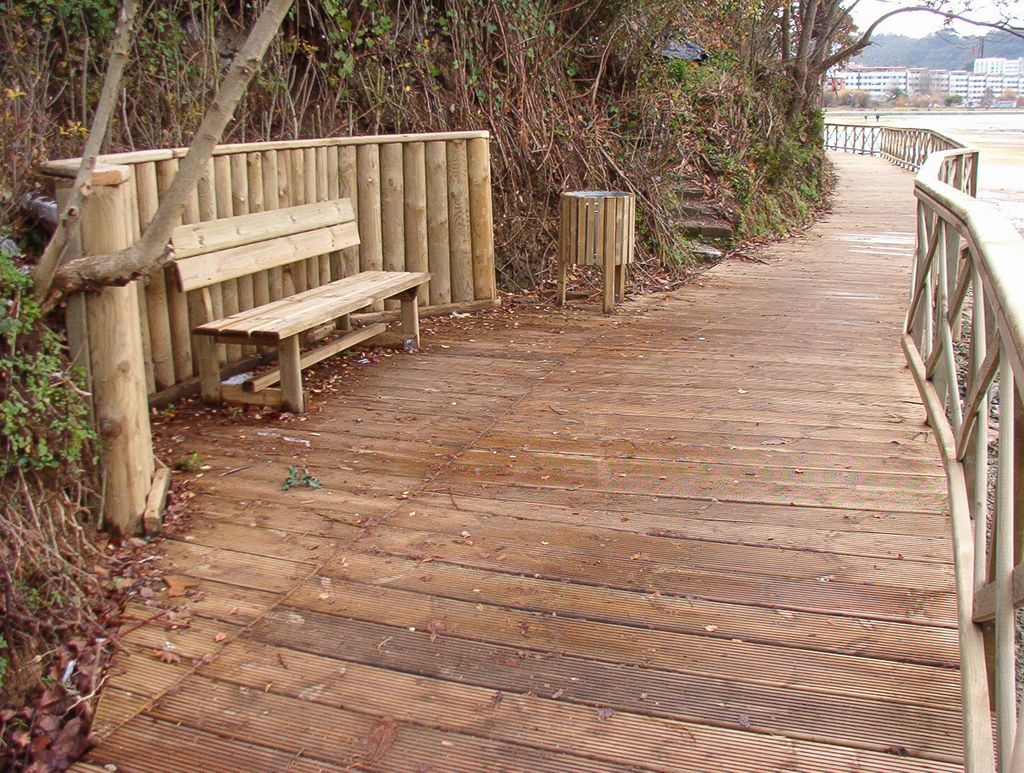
{"x": 575, "y": 95}
{"x": 945, "y": 50}
{"x": 54, "y": 609}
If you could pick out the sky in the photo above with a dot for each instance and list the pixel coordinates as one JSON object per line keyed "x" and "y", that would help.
{"x": 917, "y": 24}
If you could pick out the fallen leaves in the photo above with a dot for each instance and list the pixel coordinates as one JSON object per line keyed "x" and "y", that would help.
{"x": 435, "y": 628}
{"x": 178, "y": 585}
{"x": 382, "y": 736}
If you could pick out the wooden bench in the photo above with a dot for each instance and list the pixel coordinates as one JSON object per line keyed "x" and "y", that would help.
{"x": 215, "y": 251}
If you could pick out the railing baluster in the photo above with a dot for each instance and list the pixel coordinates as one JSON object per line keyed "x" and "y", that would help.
{"x": 928, "y": 304}
{"x": 1005, "y": 661}
{"x": 979, "y": 488}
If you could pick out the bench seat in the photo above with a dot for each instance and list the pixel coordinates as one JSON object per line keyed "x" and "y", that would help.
{"x": 212, "y": 252}
{"x": 270, "y": 323}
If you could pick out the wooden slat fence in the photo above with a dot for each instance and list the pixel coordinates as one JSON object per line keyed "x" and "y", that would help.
{"x": 964, "y": 342}
{"x": 422, "y": 201}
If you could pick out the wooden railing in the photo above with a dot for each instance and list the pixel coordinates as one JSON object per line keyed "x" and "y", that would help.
{"x": 423, "y": 203}
{"x": 904, "y": 147}
{"x": 964, "y": 343}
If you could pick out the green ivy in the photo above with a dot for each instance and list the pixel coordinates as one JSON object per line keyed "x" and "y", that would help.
{"x": 44, "y": 419}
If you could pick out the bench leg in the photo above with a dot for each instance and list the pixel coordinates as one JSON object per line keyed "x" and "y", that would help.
{"x": 209, "y": 368}
{"x": 411, "y": 315}
{"x": 291, "y": 374}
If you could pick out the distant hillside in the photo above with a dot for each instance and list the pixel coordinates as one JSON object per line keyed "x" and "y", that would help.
{"x": 943, "y": 50}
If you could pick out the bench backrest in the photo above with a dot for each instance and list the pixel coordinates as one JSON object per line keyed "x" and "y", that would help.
{"x": 217, "y": 250}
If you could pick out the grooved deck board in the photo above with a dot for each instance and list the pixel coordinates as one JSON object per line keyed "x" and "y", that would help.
{"x": 706, "y": 533}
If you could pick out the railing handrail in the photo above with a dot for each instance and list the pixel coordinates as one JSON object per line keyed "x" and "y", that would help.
{"x": 998, "y": 245}
{"x": 955, "y": 143}
{"x": 69, "y": 166}
{"x": 968, "y": 292}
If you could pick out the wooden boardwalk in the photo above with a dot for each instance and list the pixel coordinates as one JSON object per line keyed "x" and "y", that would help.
{"x": 704, "y": 534}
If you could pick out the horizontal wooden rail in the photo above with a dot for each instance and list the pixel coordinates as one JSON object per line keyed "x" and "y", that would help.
{"x": 422, "y": 203}
{"x": 69, "y": 166}
{"x": 964, "y": 341}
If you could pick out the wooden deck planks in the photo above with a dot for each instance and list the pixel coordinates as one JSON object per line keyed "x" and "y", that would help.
{"x": 705, "y": 534}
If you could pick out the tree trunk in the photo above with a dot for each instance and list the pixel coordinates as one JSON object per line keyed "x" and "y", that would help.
{"x": 71, "y": 216}
{"x": 151, "y": 252}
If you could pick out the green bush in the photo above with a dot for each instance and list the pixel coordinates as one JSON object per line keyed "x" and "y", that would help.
{"x": 44, "y": 418}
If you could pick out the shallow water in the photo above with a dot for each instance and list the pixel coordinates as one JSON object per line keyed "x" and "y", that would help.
{"x": 998, "y": 135}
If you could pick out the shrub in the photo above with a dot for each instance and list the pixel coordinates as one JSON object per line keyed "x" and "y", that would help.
{"x": 44, "y": 421}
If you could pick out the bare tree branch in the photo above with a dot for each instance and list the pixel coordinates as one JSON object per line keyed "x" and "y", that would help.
{"x": 70, "y": 218}
{"x": 151, "y": 251}
{"x": 864, "y": 40}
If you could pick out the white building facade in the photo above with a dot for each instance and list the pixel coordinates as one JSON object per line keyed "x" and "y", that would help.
{"x": 990, "y": 80}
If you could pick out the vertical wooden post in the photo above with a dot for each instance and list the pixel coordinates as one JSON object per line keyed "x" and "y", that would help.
{"x": 177, "y": 302}
{"x": 437, "y": 223}
{"x": 333, "y": 192}
{"x": 481, "y": 219}
{"x": 275, "y": 276}
{"x": 225, "y": 208}
{"x": 292, "y": 192}
{"x": 323, "y": 261}
{"x": 460, "y": 244}
{"x": 240, "y": 206}
{"x": 392, "y": 210}
{"x": 75, "y": 323}
{"x": 156, "y": 287}
{"x": 261, "y": 280}
{"x": 349, "y": 188}
{"x": 118, "y": 371}
{"x": 371, "y": 254}
{"x": 415, "y": 212}
{"x": 207, "y": 197}
{"x": 307, "y": 159}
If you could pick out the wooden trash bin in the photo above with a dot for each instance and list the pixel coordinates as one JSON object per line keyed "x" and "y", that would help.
{"x": 597, "y": 228}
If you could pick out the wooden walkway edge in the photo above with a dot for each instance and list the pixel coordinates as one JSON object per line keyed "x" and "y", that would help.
{"x": 705, "y": 534}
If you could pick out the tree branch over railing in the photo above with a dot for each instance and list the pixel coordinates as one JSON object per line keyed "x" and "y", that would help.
{"x": 70, "y": 217}
{"x": 150, "y": 252}
{"x": 865, "y": 39}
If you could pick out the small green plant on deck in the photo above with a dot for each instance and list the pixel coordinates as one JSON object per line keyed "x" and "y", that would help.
{"x": 191, "y": 463}
{"x": 304, "y": 478}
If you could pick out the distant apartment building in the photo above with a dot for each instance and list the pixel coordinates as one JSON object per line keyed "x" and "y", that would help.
{"x": 991, "y": 78}
{"x": 879, "y": 82}
{"x": 998, "y": 65}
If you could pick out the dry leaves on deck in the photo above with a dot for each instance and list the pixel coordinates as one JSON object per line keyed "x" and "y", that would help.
{"x": 382, "y": 736}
